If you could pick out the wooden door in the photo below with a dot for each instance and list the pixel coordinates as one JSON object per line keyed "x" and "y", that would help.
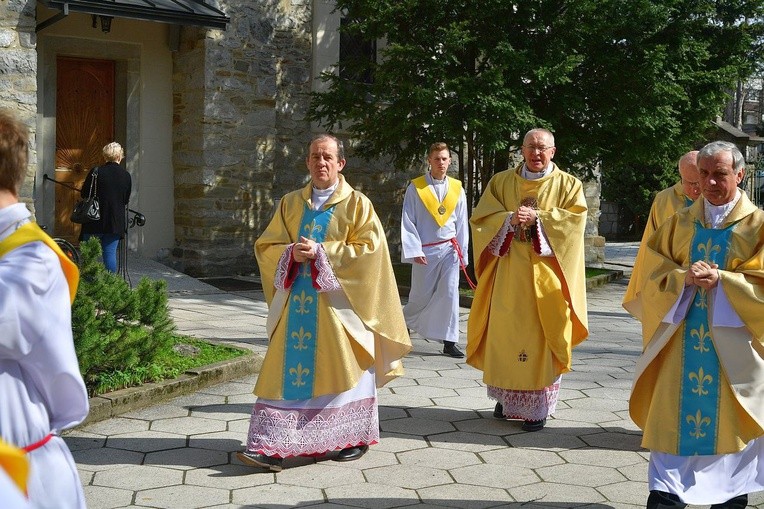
{"x": 84, "y": 125}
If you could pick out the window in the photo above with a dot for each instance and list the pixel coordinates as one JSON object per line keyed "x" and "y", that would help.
{"x": 355, "y": 50}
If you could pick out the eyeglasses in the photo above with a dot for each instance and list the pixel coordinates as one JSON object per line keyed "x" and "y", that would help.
{"x": 534, "y": 148}
{"x": 691, "y": 184}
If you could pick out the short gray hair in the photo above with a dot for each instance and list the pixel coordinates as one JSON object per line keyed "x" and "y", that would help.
{"x": 113, "y": 152}
{"x": 326, "y": 136}
{"x": 547, "y": 132}
{"x": 713, "y": 148}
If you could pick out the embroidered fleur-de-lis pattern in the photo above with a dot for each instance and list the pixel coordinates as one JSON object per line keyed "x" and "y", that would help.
{"x": 697, "y": 422}
{"x": 700, "y": 377}
{"x": 302, "y": 337}
{"x": 699, "y": 401}
{"x": 302, "y": 315}
{"x": 313, "y": 230}
{"x": 702, "y": 300}
{"x": 297, "y": 373}
{"x": 303, "y": 301}
{"x": 702, "y": 335}
{"x": 708, "y": 251}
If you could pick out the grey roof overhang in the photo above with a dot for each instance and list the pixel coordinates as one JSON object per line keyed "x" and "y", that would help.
{"x": 180, "y": 12}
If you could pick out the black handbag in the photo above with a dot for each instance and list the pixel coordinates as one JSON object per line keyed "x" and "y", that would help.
{"x": 88, "y": 209}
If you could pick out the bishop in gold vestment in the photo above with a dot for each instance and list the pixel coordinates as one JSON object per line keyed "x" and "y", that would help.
{"x": 529, "y": 308}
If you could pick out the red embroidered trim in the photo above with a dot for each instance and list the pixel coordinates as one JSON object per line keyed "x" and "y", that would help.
{"x": 286, "y": 270}
{"x": 536, "y": 241}
{"x": 505, "y": 245}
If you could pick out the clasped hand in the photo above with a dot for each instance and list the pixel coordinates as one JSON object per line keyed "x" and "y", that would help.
{"x": 525, "y": 216}
{"x": 304, "y": 250}
{"x": 702, "y": 274}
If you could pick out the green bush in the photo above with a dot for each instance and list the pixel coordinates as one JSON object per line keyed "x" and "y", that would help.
{"x": 118, "y": 329}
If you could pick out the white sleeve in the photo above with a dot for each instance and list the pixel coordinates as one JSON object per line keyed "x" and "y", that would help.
{"x": 411, "y": 243}
{"x": 462, "y": 228}
{"x": 678, "y": 311}
{"x": 724, "y": 314}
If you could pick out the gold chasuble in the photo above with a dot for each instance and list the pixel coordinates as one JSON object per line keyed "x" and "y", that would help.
{"x": 699, "y": 387}
{"x": 31, "y": 232}
{"x": 322, "y": 342}
{"x": 440, "y": 212}
{"x": 529, "y": 310}
{"x": 666, "y": 203}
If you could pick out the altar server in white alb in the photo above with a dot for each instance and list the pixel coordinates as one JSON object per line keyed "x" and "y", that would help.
{"x": 434, "y": 239}
{"x": 41, "y": 389}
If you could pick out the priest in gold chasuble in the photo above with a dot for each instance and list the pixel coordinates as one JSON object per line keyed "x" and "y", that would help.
{"x": 698, "y": 392}
{"x": 666, "y": 203}
{"x": 529, "y": 308}
{"x": 334, "y": 337}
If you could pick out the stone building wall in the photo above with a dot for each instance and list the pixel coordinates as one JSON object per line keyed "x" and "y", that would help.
{"x": 594, "y": 244}
{"x": 609, "y": 223}
{"x": 239, "y": 103}
{"x": 18, "y": 75}
{"x": 240, "y": 135}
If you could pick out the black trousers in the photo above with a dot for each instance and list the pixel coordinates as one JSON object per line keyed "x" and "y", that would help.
{"x": 663, "y": 500}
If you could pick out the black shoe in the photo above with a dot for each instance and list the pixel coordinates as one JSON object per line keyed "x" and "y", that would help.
{"x": 351, "y": 453}
{"x": 254, "y": 459}
{"x": 498, "y": 411}
{"x": 450, "y": 348}
{"x": 664, "y": 500}
{"x": 534, "y": 425}
{"x": 739, "y": 502}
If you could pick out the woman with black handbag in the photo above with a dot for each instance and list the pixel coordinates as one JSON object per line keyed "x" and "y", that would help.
{"x": 113, "y": 187}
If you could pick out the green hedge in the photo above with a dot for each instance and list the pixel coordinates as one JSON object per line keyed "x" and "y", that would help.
{"x": 125, "y": 336}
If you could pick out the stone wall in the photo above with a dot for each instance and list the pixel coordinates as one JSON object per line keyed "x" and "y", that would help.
{"x": 594, "y": 244}
{"x": 240, "y": 135}
{"x": 240, "y": 98}
{"x": 609, "y": 224}
{"x": 18, "y": 75}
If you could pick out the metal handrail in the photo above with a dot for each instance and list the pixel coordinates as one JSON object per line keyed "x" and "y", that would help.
{"x": 137, "y": 220}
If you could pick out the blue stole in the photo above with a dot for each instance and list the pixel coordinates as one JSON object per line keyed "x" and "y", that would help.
{"x": 302, "y": 315}
{"x": 687, "y": 201}
{"x": 701, "y": 372}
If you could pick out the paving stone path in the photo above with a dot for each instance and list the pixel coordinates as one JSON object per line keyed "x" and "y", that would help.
{"x": 440, "y": 445}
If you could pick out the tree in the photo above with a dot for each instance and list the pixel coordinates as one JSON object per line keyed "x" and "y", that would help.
{"x": 625, "y": 84}
{"x": 117, "y": 328}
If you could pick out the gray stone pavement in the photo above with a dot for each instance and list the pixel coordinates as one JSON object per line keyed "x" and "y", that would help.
{"x": 440, "y": 445}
